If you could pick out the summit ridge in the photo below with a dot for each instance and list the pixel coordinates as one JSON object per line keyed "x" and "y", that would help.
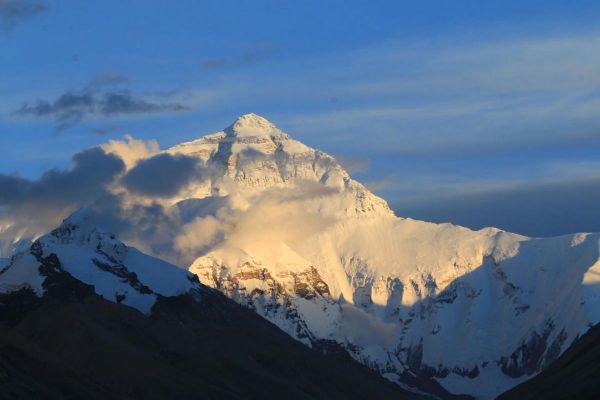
{"x": 251, "y": 125}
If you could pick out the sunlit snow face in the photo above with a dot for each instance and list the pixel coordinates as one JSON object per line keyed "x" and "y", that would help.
{"x": 245, "y": 186}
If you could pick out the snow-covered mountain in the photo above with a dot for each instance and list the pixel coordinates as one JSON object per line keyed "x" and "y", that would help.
{"x": 69, "y": 328}
{"x": 281, "y": 228}
{"x": 316, "y": 253}
{"x": 118, "y": 273}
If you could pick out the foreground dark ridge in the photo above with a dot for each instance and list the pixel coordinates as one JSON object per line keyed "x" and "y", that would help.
{"x": 575, "y": 375}
{"x": 73, "y": 344}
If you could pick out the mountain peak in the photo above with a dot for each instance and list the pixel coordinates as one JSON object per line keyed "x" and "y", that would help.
{"x": 254, "y": 154}
{"x": 80, "y": 217}
{"x": 252, "y": 119}
{"x": 252, "y": 125}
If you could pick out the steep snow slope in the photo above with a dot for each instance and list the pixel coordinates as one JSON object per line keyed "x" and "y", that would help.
{"x": 316, "y": 253}
{"x": 253, "y": 155}
{"x": 118, "y": 273}
{"x": 473, "y": 309}
{"x": 11, "y": 242}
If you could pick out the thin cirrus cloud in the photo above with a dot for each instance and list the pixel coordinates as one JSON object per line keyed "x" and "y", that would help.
{"x": 468, "y": 103}
{"x": 440, "y": 96}
{"x": 431, "y": 97}
{"x": 252, "y": 53}
{"x": 241, "y": 60}
{"x": 107, "y": 79}
{"x": 470, "y": 133}
{"x": 13, "y": 12}
{"x": 106, "y": 129}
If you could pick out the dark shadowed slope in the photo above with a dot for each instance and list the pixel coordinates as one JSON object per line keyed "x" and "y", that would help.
{"x": 73, "y": 344}
{"x": 575, "y": 375}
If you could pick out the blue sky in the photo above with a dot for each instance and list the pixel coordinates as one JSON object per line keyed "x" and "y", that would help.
{"x": 441, "y": 107}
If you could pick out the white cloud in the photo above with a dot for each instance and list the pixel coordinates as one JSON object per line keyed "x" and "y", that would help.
{"x": 197, "y": 235}
{"x": 131, "y": 150}
{"x": 363, "y": 329}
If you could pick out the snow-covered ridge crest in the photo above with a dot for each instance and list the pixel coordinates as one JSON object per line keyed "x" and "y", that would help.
{"x": 252, "y": 125}
{"x": 118, "y": 273}
{"x": 79, "y": 229}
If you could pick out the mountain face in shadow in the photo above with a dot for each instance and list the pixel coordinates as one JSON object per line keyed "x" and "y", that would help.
{"x": 575, "y": 375}
{"x": 72, "y": 344}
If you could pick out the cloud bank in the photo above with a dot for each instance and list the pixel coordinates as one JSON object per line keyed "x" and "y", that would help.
{"x": 163, "y": 175}
{"x": 29, "y": 208}
{"x": 133, "y": 190}
{"x": 549, "y": 209}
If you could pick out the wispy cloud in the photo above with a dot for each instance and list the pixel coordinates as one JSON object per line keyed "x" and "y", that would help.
{"x": 107, "y": 79}
{"x": 106, "y": 129}
{"x": 353, "y": 164}
{"x": 214, "y": 63}
{"x": 421, "y": 107}
{"x": 243, "y": 59}
{"x": 435, "y": 183}
{"x": 250, "y": 53}
{"x": 441, "y": 96}
{"x": 73, "y": 106}
{"x": 13, "y": 12}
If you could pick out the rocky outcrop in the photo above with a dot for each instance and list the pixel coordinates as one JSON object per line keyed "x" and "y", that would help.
{"x": 275, "y": 296}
